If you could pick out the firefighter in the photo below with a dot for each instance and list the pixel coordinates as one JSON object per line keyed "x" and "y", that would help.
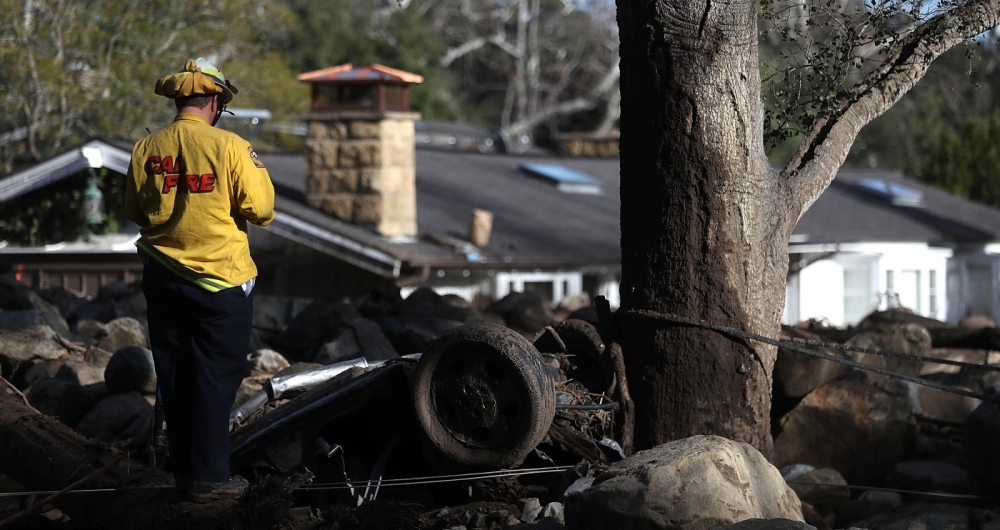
{"x": 193, "y": 189}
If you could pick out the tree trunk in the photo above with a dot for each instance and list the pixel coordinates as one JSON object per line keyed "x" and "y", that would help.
{"x": 705, "y": 221}
{"x": 42, "y": 454}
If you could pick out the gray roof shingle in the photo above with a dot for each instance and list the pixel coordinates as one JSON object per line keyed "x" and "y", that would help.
{"x": 845, "y": 213}
{"x": 533, "y": 221}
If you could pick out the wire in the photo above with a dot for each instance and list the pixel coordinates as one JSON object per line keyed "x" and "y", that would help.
{"x": 97, "y": 490}
{"x": 602, "y": 406}
{"x": 873, "y": 488}
{"x": 413, "y": 481}
{"x": 666, "y": 317}
{"x": 419, "y": 481}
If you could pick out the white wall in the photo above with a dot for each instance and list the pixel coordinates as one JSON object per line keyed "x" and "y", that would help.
{"x": 498, "y": 284}
{"x": 821, "y": 292}
{"x": 855, "y": 280}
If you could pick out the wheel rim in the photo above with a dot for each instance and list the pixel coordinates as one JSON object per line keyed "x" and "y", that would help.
{"x": 476, "y": 397}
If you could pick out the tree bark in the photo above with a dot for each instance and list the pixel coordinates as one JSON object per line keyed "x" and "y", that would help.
{"x": 704, "y": 226}
{"x": 42, "y": 454}
{"x": 705, "y": 220}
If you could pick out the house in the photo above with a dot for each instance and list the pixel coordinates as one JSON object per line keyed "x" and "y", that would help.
{"x": 876, "y": 239}
{"x": 872, "y": 240}
{"x": 543, "y": 239}
{"x": 363, "y": 207}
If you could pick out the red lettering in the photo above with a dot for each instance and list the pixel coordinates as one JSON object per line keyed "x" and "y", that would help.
{"x": 168, "y": 164}
{"x": 152, "y": 165}
{"x": 179, "y": 165}
{"x": 191, "y": 182}
{"x": 169, "y": 183}
{"x": 207, "y": 183}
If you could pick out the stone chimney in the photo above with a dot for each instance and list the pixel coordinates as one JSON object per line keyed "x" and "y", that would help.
{"x": 361, "y": 164}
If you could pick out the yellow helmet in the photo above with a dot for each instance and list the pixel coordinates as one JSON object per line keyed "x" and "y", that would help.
{"x": 199, "y": 77}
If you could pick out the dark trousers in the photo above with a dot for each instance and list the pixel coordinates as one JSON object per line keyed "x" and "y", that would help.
{"x": 199, "y": 341}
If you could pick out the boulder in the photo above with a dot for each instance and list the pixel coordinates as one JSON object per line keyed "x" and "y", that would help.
{"x": 965, "y": 355}
{"x": 27, "y": 318}
{"x": 76, "y": 370}
{"x": 979, "y": 440}
{"x": 823, "y": 498}
{"x": 41, "y": 370}
{"x": 531, "y": 509}
{"x": 555, "y": 511}
{"x": 316, "y": 325}
{"x": 424, "y": 302}
{"x": 116, "y": 300}
{"x": 131, "y": 369}
{"x": 573, "y": 303}
{"x": 15, "y": 296}
{"x": 265, "y": 363}
{"x": 797, "y": 374}
{"x": 695, "y": 483}
{"x": 97, "y": 356}
{"x": 527, "y": 313}
{"x": 65, "y": 400}
{"x": 361, "y": 338}
{"x": 868, "y": 504}
{"x": 122, "y": 332}
{"x": 20, "y": 346}
{"x": 65, "y": 300}
{"x": 926, "y": 475}
{"x": 111, "y": 416}
{"x": 90, "y": 328}
{"x": 976, "y": 322}
{"x": 412, "y": 334}
{"x": 932, "y": 404}
{"x": 938, "y": 448}
{"x": 857, "y": 429}
{"x": 815, "y": 518}
{"x": 929, "y": 516}
{"x": 911, "y": 339}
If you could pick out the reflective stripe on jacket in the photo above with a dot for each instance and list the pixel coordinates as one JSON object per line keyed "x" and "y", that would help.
{"x": 192, "y": 189}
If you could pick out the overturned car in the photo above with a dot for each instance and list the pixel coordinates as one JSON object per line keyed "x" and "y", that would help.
{"x": 480, "y": 397}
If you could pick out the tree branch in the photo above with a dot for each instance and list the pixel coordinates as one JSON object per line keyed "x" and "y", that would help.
{"x": 466, "y": 48}
{"x": 527, "y": 123}
{"x": 827, "y": 143}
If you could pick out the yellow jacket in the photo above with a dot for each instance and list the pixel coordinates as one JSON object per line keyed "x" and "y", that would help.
{"x": 192, "y": 188}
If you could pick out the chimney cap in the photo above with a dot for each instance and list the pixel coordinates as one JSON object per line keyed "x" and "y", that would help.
{"x": 348, "y": 73}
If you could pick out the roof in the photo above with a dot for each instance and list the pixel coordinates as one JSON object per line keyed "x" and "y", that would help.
{"x": 535, "y": 225}
{"x": 93, "y": 154}
{"x": 849, "y": 213}
{"x": 348, "y": 73}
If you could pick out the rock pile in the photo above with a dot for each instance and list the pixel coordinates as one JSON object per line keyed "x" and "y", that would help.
{"x": 88, "y": 364}
{"x": 834, "y": 425}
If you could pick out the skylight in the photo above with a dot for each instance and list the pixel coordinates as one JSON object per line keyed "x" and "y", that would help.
{"x": 895, "y": 193}
{"x": 565, "y": 179}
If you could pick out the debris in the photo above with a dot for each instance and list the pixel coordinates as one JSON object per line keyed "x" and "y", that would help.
{"x": 131, "y": 370}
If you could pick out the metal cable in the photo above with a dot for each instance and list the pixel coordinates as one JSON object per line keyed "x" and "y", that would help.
{"x": 418, "y": 481}
{"x": 654, "y": 315}
{"x": 887, "y": 353}
{"x": 873, "y": 488}
{"x": 413, "y": 481}
{"x": 601, "y": 406}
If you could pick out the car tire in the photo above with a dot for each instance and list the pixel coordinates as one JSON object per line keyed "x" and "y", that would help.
{"x": 483, "y": 396}
{"x": 591, "y": 364}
